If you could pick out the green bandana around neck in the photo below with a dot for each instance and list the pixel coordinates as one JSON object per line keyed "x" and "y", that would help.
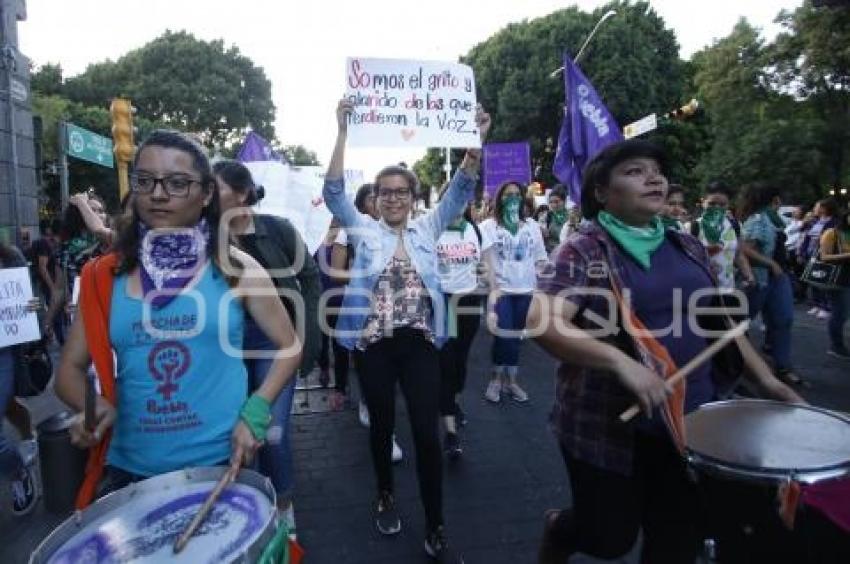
{"x": 711, "y": 224}
{"x": 510, "y": 213}
{"x": 638, "y": 242}
{"x": 559, "y": 217}
{"x": 458, "y": 226}
{"x": 670, "y": 223}
{"x": 774, "y": 218}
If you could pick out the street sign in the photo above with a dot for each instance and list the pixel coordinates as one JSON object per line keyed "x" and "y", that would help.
{"x": 88, "y": 146}
{"x": 640, "y": 126}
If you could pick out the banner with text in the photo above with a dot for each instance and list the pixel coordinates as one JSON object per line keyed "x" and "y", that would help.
{"x": 505, "y": 162}
{"x": 17, "y": 323}
{"x": 411, "y": 103}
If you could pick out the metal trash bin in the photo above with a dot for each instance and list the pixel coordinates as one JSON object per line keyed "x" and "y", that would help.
{"x": 62, "y": 464}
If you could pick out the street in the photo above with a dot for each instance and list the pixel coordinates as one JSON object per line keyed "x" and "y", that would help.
{"x": 510, "y": 471}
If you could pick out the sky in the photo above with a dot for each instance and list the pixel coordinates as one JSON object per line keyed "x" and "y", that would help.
{"x": 302, "y": 46}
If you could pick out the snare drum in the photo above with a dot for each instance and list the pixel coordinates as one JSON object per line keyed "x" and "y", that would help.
{"x": 742, "y": 451}
{"x": 141, "y": 522}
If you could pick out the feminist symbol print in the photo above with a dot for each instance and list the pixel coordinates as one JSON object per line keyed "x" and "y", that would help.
{"x": 168, "y": 361}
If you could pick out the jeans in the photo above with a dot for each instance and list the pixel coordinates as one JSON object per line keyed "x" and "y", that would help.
{"x": 412, "y": 361}
{"x": 840, "y": 311}
{"x": 511, "y": 310}
{"x": 455, "y": 354}
{"x": 10, "y": 459}
{"x": 609, "y": 508}
{"x": 775, "y": 302}
{"x": 275, "y": 456}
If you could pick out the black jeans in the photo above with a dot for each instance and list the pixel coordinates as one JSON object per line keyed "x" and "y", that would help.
{"x": 412, "y": 361}
{"x": 455, "y": 353}
{"x": 341, "y": 363}
{"x": 609, "y": 508}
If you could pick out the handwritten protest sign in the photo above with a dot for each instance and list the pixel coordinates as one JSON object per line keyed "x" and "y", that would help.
{"x": 411, "y": 103}
{"x": 17, "y": 325}
{"x": 505, "y": 162}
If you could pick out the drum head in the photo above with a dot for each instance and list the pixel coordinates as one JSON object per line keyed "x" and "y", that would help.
{"x": 141, "y": 522}
{"x": 767, "y": 439}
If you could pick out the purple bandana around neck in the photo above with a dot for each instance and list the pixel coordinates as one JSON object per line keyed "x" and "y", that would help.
{"x": 169, "y": 259}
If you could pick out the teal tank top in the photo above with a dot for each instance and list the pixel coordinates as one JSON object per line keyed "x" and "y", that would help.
{"x": 179, "y": 391}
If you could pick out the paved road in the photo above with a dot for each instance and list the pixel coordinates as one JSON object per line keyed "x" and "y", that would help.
{"x": 494, "y": 498}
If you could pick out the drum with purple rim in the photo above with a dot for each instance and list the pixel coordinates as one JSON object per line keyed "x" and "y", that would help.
{"x": 141, "y": 522}
{"x": 742, "y": 451}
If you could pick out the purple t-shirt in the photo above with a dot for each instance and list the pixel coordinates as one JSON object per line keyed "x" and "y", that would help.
{"x": 654, "y": 301}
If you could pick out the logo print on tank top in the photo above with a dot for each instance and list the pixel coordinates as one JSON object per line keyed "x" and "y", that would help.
{"x": 167, "y": 362}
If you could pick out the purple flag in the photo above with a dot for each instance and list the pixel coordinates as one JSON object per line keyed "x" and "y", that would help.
{"x": 588, "y": 127}
{"x": 255, "y": 148}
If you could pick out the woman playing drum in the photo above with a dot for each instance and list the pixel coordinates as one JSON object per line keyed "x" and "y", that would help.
{"x": 628, "y": 476}
{"x": 170, "y": 303}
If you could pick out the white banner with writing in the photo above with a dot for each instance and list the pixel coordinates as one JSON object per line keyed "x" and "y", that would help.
{"x": 17, "y": 324}
{"x": 403, "y": 103}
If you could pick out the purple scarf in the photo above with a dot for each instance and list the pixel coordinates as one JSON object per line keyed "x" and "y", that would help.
{"x": 169, "y": 259}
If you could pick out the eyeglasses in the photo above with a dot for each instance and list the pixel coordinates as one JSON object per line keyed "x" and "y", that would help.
{"x": 394, "y": 194}
{"x": 174, "y": 185}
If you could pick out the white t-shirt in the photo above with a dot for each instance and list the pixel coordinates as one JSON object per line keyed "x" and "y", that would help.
{"x": 458, "y": 257}
{"x": 515, "y": 257}
{"x": 341, "y": 238}
{"x": 722, "y": 254}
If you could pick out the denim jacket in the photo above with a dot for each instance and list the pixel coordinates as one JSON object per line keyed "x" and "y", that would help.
{"x": 374, "y": 244}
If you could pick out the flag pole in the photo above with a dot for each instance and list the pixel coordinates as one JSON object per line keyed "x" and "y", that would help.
{"x": 608, "y": 14}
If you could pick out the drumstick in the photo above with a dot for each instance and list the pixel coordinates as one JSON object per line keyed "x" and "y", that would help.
{"x": 709, "y": 351}
{"x": 89, "y": 410}
{"x": 202, "y": 513}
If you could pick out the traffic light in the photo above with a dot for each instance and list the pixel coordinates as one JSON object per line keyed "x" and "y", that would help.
{"x": 685, "y": 111}
{"x": 122, "y": 112}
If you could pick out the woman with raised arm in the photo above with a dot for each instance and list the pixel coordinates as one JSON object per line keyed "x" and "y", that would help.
{"x": 393, "y": 319}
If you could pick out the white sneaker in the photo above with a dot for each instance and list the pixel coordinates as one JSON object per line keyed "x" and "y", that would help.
{"x": 363, "y": 414}
{"x": 823, "y": 314}
{"x": 398, "y": 454}
{"x": 494, "y": 391}
{"x": 813, "y": 311}
{"x": 287, "y": 516}
{"x": 517, "y": 393}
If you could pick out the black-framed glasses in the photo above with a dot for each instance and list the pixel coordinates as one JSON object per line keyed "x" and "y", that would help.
{"x": 176, "y": 185}
{"x": 394, "y": 193}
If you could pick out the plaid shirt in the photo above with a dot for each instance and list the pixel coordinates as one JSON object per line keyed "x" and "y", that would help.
{"x": 588, "y": 402}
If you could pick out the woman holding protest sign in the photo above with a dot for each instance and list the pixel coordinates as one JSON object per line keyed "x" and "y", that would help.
{"x": 606, "y": 314}
{"x": 392, "y": 317}
{"x": 170, "y": 303}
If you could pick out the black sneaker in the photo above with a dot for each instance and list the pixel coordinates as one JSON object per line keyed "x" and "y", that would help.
{"x": 23, "y": 493}
{"x": 386, "y": 516}
{"x": 438, "y": 548}
{"x": 451, "y": 446}
{"x": 841, "y": 353}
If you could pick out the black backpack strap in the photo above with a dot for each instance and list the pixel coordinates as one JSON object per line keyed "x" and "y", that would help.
{"x": 477, "y": 233}
{"x": 695, "y": 228}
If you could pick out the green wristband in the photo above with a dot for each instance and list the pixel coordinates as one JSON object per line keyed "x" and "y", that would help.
{"x": 256, "y": 414}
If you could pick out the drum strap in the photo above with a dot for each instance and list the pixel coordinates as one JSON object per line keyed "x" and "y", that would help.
{"x": 655, "y": 356}
{"x": 96, "y": 281}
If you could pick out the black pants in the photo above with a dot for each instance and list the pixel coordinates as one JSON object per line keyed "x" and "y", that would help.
{"x": 412, "y": 361}
{"x": 609, "y": 508}
{"x": 455, "y": 353}
{"x": 341, "y": 358}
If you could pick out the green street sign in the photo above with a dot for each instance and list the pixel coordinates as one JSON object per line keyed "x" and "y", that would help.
{"x": 88, "y": 146}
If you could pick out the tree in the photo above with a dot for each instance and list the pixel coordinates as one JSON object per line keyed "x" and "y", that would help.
{"x": 633, "y": 62}
{"x": 298, "y": 155}
{"x": 47, "y": 81}
{"x": 757, "y": 132}
{"x": 812, "y": 60}
{"x": 188, "y": 84}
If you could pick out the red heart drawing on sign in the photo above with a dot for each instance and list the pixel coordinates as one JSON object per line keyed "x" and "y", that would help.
{"x": 407, "y": 134}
